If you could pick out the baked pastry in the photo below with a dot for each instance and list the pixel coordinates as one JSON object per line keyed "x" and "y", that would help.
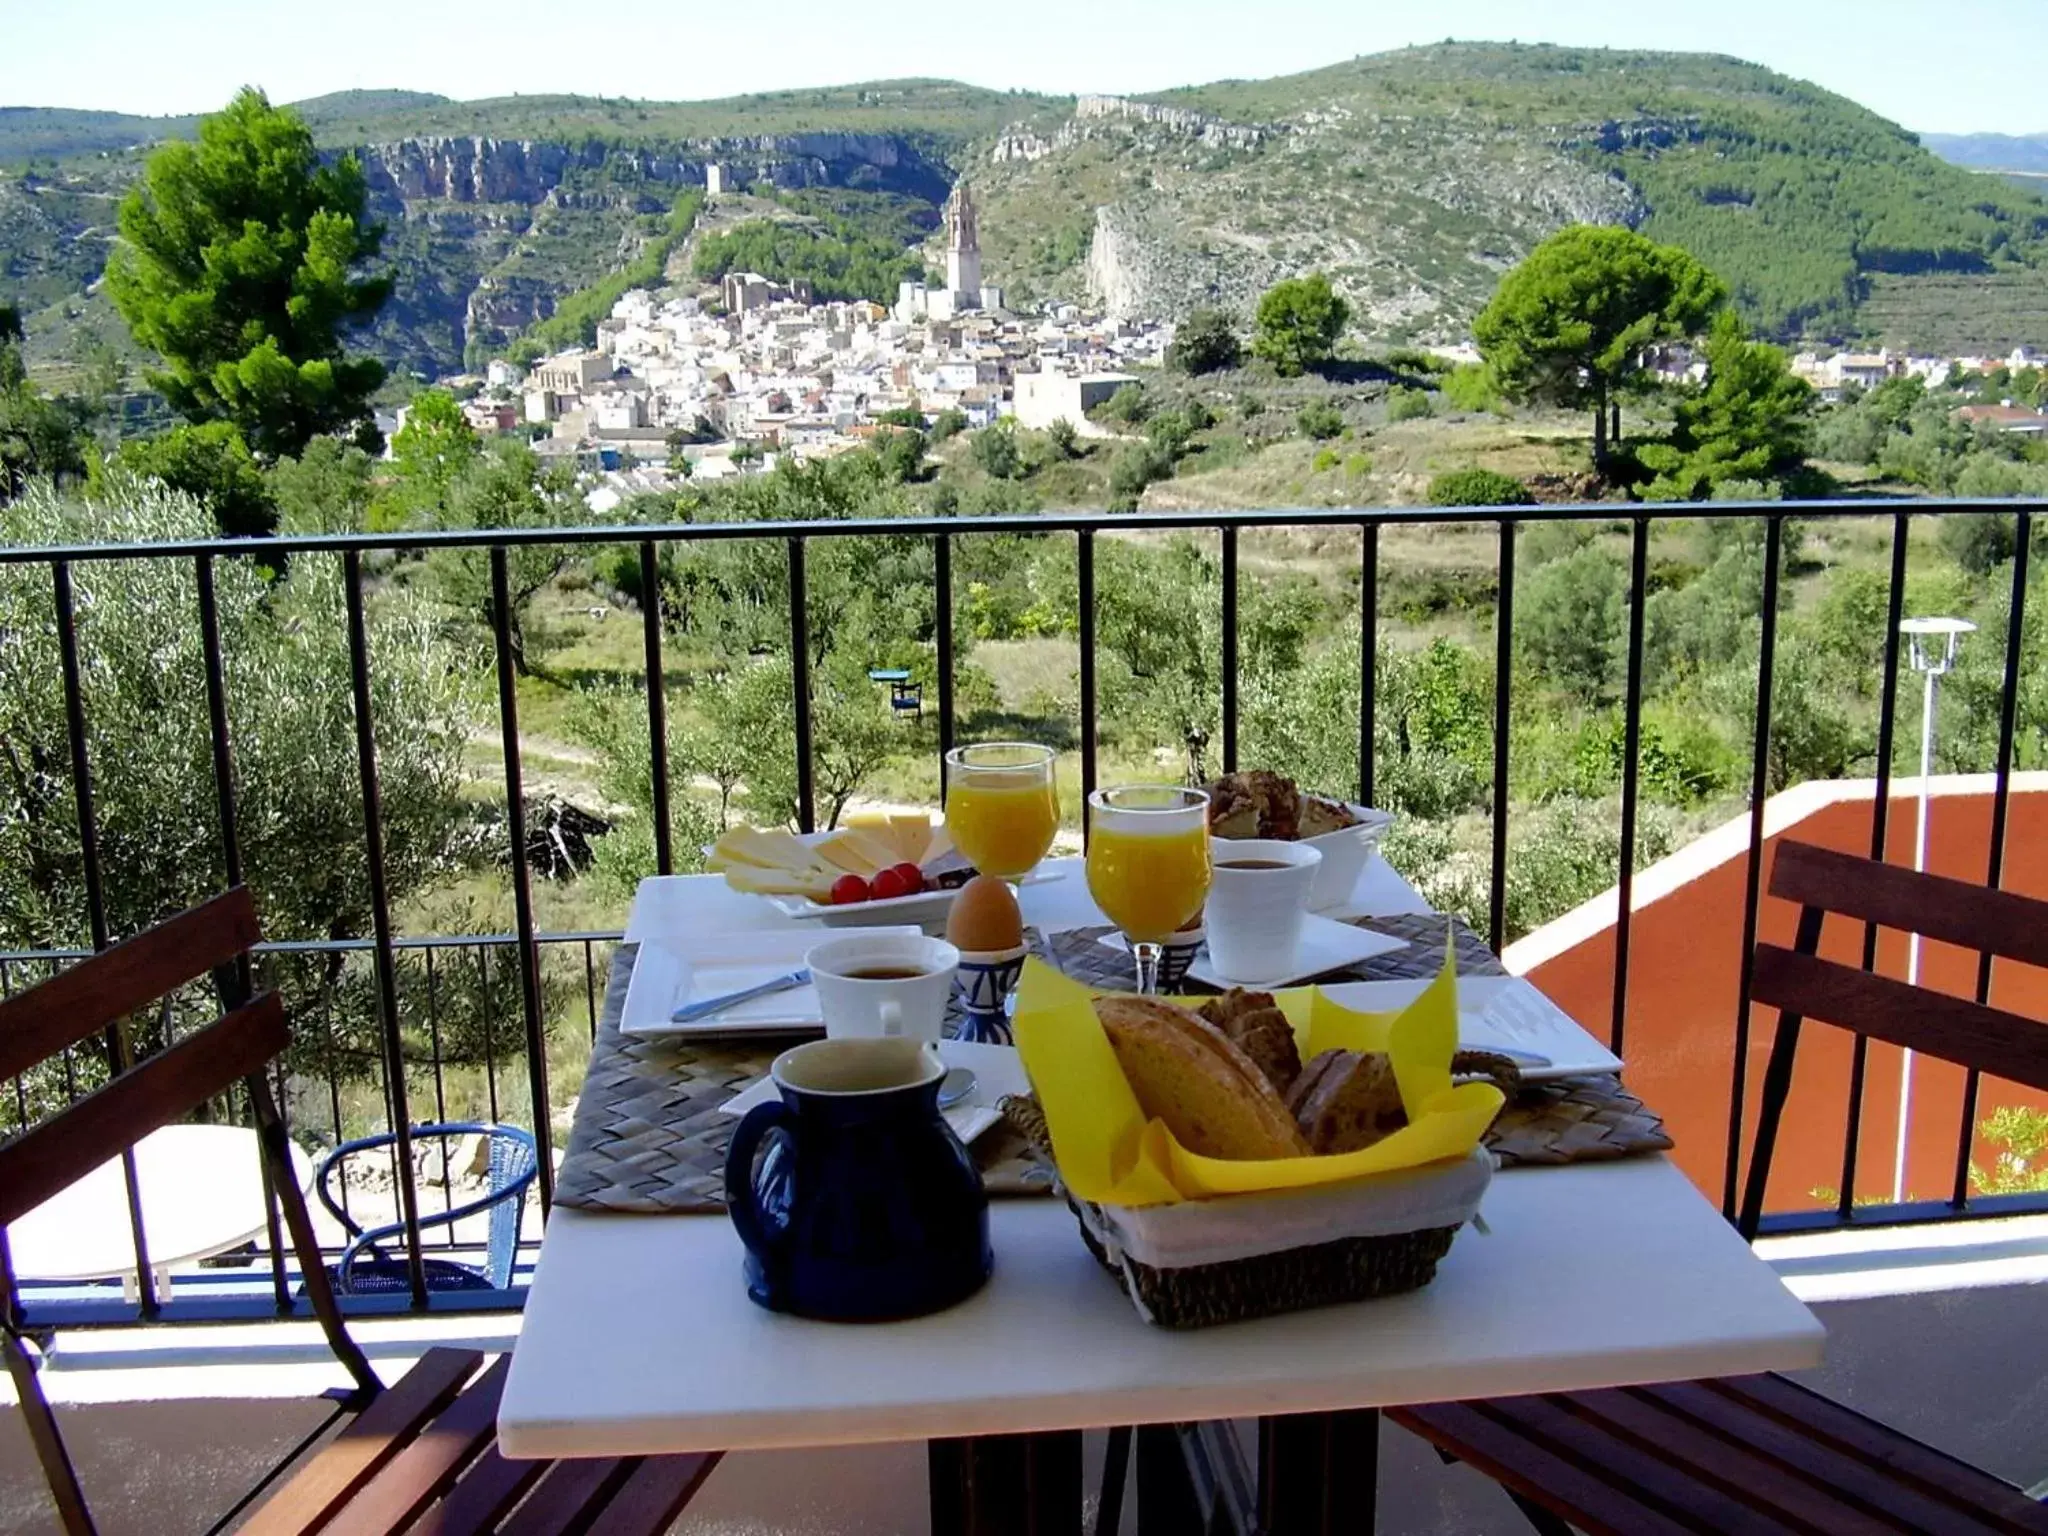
{"x": 1255, "y": 804}
{"x": 1188, "y": 1073}
{"x": 1261, "y": 803}
{"x": 1345, "y": 1101}
{"x": 1260, "y": 1030}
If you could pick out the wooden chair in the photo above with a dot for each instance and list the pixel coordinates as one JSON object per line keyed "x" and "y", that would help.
{"x": 422, "y": 1447}
{"x": 1760, "y": 1453}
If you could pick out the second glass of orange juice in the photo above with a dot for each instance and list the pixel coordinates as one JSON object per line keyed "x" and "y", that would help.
{"x": 1148, "y": 864}
{"x": 1002, "y": 807}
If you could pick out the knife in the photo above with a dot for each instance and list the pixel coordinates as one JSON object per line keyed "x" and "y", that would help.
{"x": 689, "y": 1013}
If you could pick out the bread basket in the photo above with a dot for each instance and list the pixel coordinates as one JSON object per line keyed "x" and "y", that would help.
{"x": 1229, "y": 1260}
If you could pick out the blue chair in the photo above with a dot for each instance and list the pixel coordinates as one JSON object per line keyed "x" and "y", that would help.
{"x": 367, "y": 1270}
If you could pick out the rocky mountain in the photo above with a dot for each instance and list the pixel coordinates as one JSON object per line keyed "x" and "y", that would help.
{"x": 1992, "y": 151}
{"x": 1415, "y": 178}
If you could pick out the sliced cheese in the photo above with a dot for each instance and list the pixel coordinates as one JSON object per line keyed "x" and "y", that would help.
{"x": 912, "y": 835}
{"x": 767, "y": 850}
{"x": 779, "y": 882}
{"x": 858, "y": 852}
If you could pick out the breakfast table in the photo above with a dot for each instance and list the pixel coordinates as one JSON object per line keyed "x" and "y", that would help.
{"x": 639, "y": 1337}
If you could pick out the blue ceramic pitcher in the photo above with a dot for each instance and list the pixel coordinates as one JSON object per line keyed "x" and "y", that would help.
{"x": 864, "y": 1205}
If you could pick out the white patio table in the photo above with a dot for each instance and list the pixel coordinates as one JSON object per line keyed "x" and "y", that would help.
{"x": 1587, "y": 1276}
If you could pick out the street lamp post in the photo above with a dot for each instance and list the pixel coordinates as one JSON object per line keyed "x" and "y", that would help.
{"x": 1934, "y": 644}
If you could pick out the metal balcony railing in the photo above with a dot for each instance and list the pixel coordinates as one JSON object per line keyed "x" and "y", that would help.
{"x": 525, "y": 947}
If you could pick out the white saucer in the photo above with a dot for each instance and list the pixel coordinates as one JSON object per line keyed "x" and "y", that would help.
{"x": 1496, "y": 1012}
{"x": 1326, "y": 945}
{"x": 997, "y": 1070}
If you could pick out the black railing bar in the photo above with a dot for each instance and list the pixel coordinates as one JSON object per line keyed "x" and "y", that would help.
{"x": 926, "y": 527}
{"x": 590, "y": 988}
{"x": 1503, "y": 671}
{"x": 1903, "y": 1214}
{"x": 1230, "y": 651}
{"x": 120, "y": 1055}
{"x": 490, "y": 1014}
{"x": 657, "y": 704}
{"x": 1880, "y": 831}
{"x": 1631, "y": 775}
{"x": 334, "y": 1086}
{"x": 2001, "y": 805}
{"x": 522, "y": 879}
{"x": 353, "y": 946}
{"x": 800, "y": 687}
{"x": 1752, "y": 896}
{"x": 10, "y": 1296}
{"x": 385, "y": 961}
{"x": 1084, "y": 604}
{"x": 434, "y": 1034}
{"x": 1368, "y": 654}
{"x": 942, "y": 634}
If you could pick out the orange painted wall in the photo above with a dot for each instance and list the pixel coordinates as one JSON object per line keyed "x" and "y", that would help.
{"x": 1684, "y": 970}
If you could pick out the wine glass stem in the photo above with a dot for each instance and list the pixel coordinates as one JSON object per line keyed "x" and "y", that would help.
{"x": 1147, "y": 956}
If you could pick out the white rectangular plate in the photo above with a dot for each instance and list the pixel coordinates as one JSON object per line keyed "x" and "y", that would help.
{"x": 925, "y": 907}
{"x": 1497, "y": 1011}
{"x": 997, "y": 1072}
{"x": 671, "y": 972}
{"x": 1326, "y": 945}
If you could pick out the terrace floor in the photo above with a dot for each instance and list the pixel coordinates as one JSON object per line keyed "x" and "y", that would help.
{"x": 1933, "y": 1329}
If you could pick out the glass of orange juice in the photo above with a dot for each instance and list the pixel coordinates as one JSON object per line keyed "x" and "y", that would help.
{"x": 1002, "y": 807}
{"x": 1148, "y": 864}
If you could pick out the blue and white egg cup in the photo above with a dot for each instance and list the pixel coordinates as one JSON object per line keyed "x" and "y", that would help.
{"x": 986, "y": 980}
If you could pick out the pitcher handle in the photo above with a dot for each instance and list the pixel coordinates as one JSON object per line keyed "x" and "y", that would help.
{"x": 741, "y": 1199}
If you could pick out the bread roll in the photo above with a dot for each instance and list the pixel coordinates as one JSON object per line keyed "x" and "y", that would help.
{"x": 1186, "y": 1072}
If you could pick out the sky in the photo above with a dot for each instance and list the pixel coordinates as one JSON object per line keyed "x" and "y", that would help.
{"x": 1933, "y": 65}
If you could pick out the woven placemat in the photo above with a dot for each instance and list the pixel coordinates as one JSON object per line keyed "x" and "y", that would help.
{"x": 1575, "y": 1120}
{"x": 1081, "y": 953}
{"x": 1568, "y": 1120}
{"x": 649, "y": 1138}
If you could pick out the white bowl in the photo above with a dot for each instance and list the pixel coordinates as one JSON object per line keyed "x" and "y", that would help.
{"x": 1345, "y": 852}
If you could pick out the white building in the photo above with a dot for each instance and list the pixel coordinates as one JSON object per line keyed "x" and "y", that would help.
{"x": 1044, "y": 398}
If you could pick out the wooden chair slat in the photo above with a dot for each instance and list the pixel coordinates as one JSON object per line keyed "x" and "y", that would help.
{"x": 1507, "y": 1456}
{"x": 1781, "y": 1470}
{"x": 342, "y": 1466}
{"x": 1892, "y": 896}
{"x": 426, "y": 1468}
{"x": 656, "y": 1494}
{"x": 1643, "y": 1469}
{"x": 481, "y": 1497}
{"x": 570, "y": 1489}
{"x": 86, "y": 998}
{"x": 1932, "y": 1023}
{"x": 70, "y": 1144}
{"x": 1900, "y": 1457}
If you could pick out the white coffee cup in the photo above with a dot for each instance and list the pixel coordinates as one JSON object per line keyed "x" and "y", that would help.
{"x": 1254, "y": 916}
{"x": 857, "y": 1005}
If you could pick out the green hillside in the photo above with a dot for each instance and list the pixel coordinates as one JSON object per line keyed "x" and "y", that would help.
{"x": 1415, "y": 178}
{"x": 1425, "y": 168}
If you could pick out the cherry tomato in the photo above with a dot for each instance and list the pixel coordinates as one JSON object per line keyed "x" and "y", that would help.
{"x": 848, "y": 889}
{"x": 913, "y": 877}
{"x": 890, "y": 883}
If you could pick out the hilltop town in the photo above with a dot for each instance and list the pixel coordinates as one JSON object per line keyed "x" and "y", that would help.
{"x": 712, "y": 384}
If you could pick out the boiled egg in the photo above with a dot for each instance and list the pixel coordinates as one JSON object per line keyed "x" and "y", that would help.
{"x": 985, "y": 919}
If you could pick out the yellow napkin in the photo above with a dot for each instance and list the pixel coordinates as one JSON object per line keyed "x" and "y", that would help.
{"x": 1109, "y": 1153}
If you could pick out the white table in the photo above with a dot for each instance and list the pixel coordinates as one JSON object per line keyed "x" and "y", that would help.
{"x": 1594, "y": 1275}
{"x": 202, "y": 1194}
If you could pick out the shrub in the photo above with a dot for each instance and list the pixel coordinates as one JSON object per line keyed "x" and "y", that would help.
{"x": 1478, "y": 488}
{"x": 1135, "y": 467}
{"x": 1321, "y": 420}
{"x": 1415, "y": 360}
{"x": 1169, "y": 433}
{"x": 1200, "y": 418}
{"x": 949, "y": 423}
{"x": 1203, "y": 343}
{"x": 1405, "y": 404}
{"x": 1325, "y": 459}
{"x": 1358, "y": 466}
{"x": 1062, "y": 436}
{"x": 1128, "y": 405}
{"x": 995, "y": 450}
{"x": 1470, "y": 387}
{"x": 211, "y": 464}
{"x": 1249, "y": 406}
